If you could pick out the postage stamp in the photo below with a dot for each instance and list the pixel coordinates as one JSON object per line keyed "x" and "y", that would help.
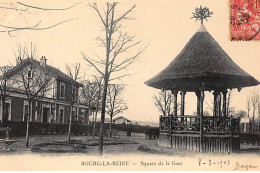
{"x": 245, "y": 20}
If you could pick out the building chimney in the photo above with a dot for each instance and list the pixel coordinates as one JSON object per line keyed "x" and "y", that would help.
{"x": 43, "y": 61}
{"x": 18, "y": 60}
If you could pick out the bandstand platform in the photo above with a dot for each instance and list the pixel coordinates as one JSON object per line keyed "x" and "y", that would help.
{"x": 218, "y": 134}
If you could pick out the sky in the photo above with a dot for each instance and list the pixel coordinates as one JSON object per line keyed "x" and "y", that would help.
{"x": 164, "y": 25}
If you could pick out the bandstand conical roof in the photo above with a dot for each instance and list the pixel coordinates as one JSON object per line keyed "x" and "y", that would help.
{"x": 202, "y": 63}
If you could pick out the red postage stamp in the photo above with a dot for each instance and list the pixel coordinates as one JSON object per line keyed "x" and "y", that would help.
{"x": 245, "y": 20}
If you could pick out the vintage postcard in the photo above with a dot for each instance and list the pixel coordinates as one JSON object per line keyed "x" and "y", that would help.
{"x": 131, "y": 85}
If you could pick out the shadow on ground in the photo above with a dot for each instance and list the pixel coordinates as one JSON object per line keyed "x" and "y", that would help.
{"x": 76, "y": 146}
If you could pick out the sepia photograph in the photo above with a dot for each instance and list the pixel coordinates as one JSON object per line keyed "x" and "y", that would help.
{"x": 130, "y": 85}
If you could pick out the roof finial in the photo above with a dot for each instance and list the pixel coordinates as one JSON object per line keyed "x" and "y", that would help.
{"x": 201, "y": 14}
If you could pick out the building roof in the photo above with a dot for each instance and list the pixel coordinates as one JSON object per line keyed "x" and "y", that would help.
{"x": 121, "y": 117}
{"x": 202, "y": 63}
{"x": 54, "y": 71}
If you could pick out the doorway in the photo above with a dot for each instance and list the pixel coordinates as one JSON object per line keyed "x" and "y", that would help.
{"x": 45, "y": 115}
{"x": 7, "y": 111}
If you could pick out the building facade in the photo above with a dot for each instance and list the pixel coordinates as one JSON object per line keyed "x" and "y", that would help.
{"x": 54, "y": 106}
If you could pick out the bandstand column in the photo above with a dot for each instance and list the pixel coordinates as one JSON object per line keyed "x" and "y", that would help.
{"x": 224, "y": 108}
{"x": 175, "y": 106}
{"x": 215, "y": 93}
{"x": 182, "y": 104}
{"x": 175, "y": 109}
{"x": 219, "y": 104}
{"x": 202, "y": 96}
{"x": 198, "y": 102}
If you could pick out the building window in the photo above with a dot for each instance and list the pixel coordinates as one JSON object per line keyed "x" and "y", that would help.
{"x": 54, "y": 89}
{"x": 26, "y": 112}
{"x": 7, "y": 111}
{"x": 61, "y": 115}
{"x": 62, "y": 90}
{"x": 74, "y": 93}
{"x": 52, "y": 113}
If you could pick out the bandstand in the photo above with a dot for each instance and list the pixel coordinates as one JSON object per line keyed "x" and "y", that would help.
{"x": 202, "y": 66}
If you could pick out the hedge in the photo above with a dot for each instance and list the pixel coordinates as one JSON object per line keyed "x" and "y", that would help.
{"x": 19, "y": 128}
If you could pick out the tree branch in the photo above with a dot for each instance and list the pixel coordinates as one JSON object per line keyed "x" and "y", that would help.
{"x": 47, "y": 9}
{"x": 95, "y": 7}
{"x": 91, "y": 63}
{"x": 13, "y": 8}
{"x": 119, "y": 77}
{"x": 124, "y": 15}
{"x": 35, "y": 27}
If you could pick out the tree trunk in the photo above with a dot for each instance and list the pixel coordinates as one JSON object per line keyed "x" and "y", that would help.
{"x": 97, "y": 108}
{"x": 28, "y": 125}
{"x": 71, "y": 109}
{"x": 94, "y": 126}
{"x": 104, "y": 96}
{"x": 110, "y": 127}
{"x": 253, "y": 114}
{"x": 100, "y": 149}
{"x": 102, "y": 119}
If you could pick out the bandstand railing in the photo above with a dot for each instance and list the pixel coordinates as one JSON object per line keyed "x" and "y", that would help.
{"x": 192, "y": 124}
{"x": 207, "y": 133}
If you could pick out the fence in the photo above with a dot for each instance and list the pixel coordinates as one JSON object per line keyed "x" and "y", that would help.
{"x": 250, "y": 127}
{"x": 250, "y": 132}
{"x": 19, "y": 128}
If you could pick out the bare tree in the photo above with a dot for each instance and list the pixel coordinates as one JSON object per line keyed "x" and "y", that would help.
{"x": 5, "y": 90}
{"x": 258, "y": 107}
{"x": 88, "y": 93}
{"x": 73, "y": 72}
{"x": 32, "y": 79}
{"x": 229, "y": 98}
{"x": 91, "y": 95}
{"x": 254, "y": 101}
{"x": 47, "y": 9}
{"x": 115, "y": 103}
{"x": 98, "y": 97}
{"x": 163, "y": 102}
{"x": 248, "y": 105}
{"x": 22, "y": 8}
{"x": 117, "y": 45}
{"x": 40, "y": 102}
